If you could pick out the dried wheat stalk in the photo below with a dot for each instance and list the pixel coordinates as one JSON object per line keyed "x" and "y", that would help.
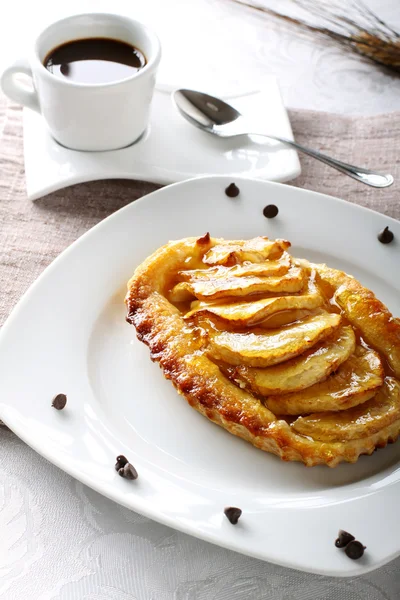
{"x": 350, "y": 24}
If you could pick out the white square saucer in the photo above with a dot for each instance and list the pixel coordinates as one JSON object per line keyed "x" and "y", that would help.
{"x": 170, "y": 150}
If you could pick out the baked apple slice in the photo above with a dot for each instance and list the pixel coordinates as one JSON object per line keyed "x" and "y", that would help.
{"x": 271, "y": 347}
{"x": 256, "y": 250}
{"x": 213, "y": 289}
{"x": 264, "y": 269}
{"x": 242, "y": 314}
{"x": 356, "y": 381}
{"x": 358, "y": 422}
{"x": 300, "y": 373}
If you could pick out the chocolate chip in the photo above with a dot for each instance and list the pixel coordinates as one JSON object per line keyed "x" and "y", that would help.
{"x": 128, "y": 471}
{"x": 386, "y": 236}
{"x": 343, "y": 539}
{"x": 232, "y": 514}
{"x": 121, "y": 462}
{"x": 354, "y": 549}
{"x": 270, "y": 211}
{"x": 232, "y": 191}
{"x": 59, "y": 401}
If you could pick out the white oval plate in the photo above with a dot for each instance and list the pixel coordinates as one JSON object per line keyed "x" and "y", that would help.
{"x": 68, "y": 334}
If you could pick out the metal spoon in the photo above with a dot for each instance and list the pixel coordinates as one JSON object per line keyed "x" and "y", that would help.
{"x": 215, "y": 116}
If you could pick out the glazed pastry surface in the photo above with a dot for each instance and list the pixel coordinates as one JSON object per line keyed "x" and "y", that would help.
{"x": 297, "y": 358}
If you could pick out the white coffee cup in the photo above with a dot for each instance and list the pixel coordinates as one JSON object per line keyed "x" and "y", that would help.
{"x": 88, "y": 116}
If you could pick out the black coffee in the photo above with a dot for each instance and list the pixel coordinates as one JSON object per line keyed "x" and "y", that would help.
{"x": 95, "y": 60}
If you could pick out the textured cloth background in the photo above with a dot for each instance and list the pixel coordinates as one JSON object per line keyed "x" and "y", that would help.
{"x": 60, "y": 540}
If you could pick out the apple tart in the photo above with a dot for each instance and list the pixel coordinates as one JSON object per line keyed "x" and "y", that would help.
{"x": 297, "y": 358}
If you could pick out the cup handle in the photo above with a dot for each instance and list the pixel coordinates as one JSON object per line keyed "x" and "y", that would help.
{"x": 15, "y": 89}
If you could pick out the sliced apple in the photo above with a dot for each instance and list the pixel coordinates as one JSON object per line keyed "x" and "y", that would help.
{"x": 264, "y": 269}
{"x": 292, "y": 282}
{"x": 261, "y": 349}
{"x": 354, "y": 423}
{"x": 255, "y": 250}
{"x": 242, "y": 314}
{"x": 355, "y": 382}
{"x": 302, "y": 372}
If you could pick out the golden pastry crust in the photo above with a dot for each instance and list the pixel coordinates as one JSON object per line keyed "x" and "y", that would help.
{"x": 182, "y": 347}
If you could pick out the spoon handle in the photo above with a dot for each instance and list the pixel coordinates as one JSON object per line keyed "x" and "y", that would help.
{"x": 366, "y": 176}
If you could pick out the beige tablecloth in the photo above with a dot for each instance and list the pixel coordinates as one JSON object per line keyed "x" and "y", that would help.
{"x": 62, "y": 540}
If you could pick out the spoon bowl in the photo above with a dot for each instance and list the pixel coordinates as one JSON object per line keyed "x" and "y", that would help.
{"x": 204, "y": 111}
